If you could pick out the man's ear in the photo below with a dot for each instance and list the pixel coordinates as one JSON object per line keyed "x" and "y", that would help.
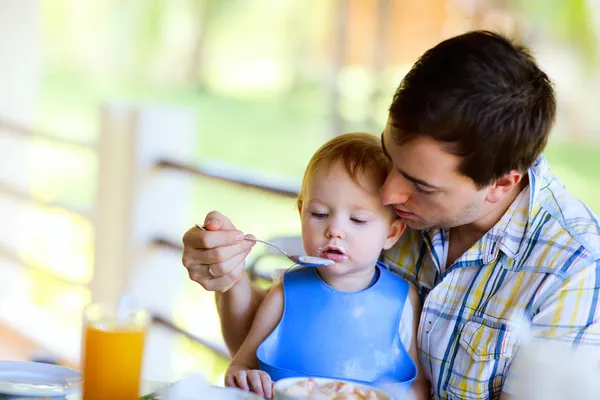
{"x": 396, "y": 229}
{"x": 503, "y": 186}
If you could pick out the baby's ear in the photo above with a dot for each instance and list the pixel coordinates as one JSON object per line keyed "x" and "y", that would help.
{"x": 397, "y": 227}
{"x": 299, "y": 205}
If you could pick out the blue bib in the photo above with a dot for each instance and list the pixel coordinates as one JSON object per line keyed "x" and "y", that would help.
{"x": 332, "y": 334}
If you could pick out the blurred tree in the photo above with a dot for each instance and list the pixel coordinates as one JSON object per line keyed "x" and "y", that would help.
{"x": 205, "y": 13}
{"x": 142, "y": 26}
{"x": 139, "y": 25}
{"x": 568, "y": 20}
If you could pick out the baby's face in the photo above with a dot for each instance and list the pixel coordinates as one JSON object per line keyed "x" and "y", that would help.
{"x": 344, "y": 221}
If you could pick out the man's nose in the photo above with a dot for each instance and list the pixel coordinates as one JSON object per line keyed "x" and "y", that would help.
{"x": 395, "y": 190}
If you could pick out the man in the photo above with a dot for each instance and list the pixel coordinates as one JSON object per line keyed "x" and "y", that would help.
{"x": 494, "y": 235}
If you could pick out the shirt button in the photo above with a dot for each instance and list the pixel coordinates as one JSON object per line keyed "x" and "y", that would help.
{"x": 428, "y": 328}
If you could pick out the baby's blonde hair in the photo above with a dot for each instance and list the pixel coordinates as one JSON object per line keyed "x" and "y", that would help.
{"x": 359, "y": 153}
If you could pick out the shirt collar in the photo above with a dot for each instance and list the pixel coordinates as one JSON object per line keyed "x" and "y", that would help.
{"x": 509, "y": 234}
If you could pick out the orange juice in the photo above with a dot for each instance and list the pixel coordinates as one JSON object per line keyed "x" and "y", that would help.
{"x": 112, "y": 355}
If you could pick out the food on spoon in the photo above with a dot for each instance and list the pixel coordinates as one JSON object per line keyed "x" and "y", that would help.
{"x": 315, "y": 260}
{"x": 336, "y": 390}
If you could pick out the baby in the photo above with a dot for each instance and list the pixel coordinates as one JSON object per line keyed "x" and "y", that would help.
{"x": 351, "y": 320}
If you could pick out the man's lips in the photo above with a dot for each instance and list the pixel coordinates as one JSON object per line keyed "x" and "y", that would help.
{"x": 404, "y": 214}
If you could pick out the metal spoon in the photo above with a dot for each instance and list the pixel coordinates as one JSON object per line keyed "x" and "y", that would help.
{"x": 305, "y": 261}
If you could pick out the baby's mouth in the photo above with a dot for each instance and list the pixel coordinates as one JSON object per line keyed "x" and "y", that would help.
{"x": 334, "y": 253}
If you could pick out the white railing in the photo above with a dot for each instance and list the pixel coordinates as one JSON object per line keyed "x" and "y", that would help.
{"x": 144, "y": 168}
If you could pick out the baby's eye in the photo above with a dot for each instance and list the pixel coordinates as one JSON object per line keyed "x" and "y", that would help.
{"x": 319, "y": 215}
{"x": 358, "y": 221}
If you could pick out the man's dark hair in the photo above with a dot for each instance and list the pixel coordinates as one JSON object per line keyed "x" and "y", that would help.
{"x": 484, "y": 98}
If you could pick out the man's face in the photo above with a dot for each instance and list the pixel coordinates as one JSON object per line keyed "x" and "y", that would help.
{"x": 425, "y": 187}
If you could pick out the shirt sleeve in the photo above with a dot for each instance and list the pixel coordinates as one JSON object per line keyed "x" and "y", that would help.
{"x": 570, "y": 314}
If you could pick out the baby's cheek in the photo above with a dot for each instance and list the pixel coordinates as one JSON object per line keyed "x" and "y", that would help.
{"x": 368, "y": 246}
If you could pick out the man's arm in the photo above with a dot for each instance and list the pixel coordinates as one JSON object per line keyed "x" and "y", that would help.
{"x": 569, "y": 315}
{"x": 237, "y": 308}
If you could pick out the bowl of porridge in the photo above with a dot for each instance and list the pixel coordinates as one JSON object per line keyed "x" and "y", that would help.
{"x": 326, "y": 389}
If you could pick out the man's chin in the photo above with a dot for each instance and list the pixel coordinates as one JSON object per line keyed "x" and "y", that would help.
{"x": 418, "y": 225}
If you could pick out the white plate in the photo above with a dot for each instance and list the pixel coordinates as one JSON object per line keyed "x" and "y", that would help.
{"x": 195, "y": 387}
{"x": 282, "y": 384}
{"x": 31, "y": 379}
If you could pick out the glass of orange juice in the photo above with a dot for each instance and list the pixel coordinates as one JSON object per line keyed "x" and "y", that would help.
{"x": 112, "y": 352}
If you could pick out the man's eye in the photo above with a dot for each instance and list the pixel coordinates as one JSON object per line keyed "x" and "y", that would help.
{"x": 421, "y": 190}
{"x": 319, "y": 215}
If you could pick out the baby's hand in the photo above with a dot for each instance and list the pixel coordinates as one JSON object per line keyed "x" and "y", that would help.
{"x": 255, "y": 380}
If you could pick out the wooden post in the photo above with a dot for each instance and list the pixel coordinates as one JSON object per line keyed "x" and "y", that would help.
{"x": 134, "y": 201}
{"x": 113, "y": 206}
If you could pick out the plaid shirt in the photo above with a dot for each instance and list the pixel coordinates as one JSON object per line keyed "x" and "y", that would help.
{"x": 540, "y": 261}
